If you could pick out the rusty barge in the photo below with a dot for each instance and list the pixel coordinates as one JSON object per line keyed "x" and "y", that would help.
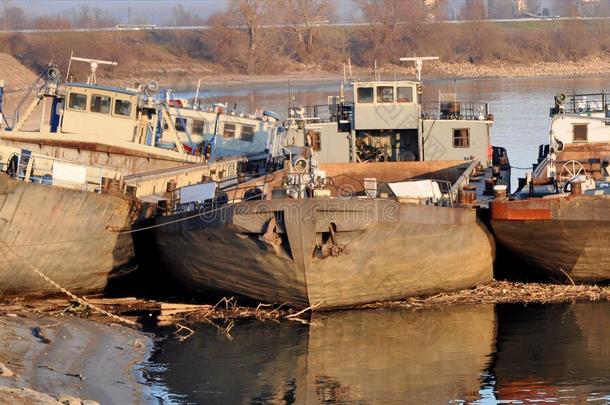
{"x": 558, "y": 224}
{"x": 332, "y": 249}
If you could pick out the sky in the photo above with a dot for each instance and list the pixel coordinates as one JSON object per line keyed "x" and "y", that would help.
{"x": 155, "y": 11}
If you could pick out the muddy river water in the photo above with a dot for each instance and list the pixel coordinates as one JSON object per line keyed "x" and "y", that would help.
{"x": 486, "y": 354}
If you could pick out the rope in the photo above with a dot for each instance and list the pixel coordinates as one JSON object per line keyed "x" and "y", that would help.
{"x": 81, "y": 301}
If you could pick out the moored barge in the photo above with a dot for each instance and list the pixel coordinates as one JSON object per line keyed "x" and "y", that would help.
{"x": 558, "y": 224}
{"x": 332, "y": 250}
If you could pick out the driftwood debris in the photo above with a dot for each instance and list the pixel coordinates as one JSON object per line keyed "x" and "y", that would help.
{"x": 182, "y": 315}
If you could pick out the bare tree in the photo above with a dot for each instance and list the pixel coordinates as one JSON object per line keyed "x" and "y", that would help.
{"x": 392, "y": 27}
{"x": 305, "y": 18}
{"x": 184, "y": 17}
{"x": 13, "y": 17}
{"x": 85, "y": 16}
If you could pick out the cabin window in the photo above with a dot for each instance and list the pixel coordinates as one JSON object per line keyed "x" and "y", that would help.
{"x": 100, "y": 104}
{"x": 405, "y": 94}
{"x": 77, "y": 101}
{"x": 197, "y": 127}
{"x": 313, "y": 139}
{"x": 122, "y": 107}
{"x": 365, "y": 94}
{"x": 247, "y": 133}
{"x": 385, "y": 94}
{"x": 229, "y": 131}
{"x": 180, "y": 124}
{"x": 461, "y": 138}
{"x": 580, "y": 132}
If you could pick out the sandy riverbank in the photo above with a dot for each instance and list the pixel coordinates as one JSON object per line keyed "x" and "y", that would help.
{"x": 46, "y": 358}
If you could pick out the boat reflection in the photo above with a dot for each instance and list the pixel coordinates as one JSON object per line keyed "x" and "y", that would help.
{"x": 372, "y": 356}
{"x": 553, "y": 352}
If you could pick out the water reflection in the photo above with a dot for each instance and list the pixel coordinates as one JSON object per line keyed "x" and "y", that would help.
{"x": 431, "y": 356}
{"x": 466, "y": 354}
{"x": 555, "y": 353}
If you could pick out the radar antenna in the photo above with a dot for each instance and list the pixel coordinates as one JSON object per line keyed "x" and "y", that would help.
{"x": 419, "y": 62}
{"x": 93, "y": 64}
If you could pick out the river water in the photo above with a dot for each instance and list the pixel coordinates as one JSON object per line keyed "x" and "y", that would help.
{"x": 483, "y": 354}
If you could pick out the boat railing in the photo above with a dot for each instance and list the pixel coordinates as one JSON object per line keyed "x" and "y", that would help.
{"x": 446, "y": 200}
{"x": 582, "y": 103}
{"x": 452, "y": 110}
{"x": 16, "y": 113}
{"x": 28, "y": 167}
{"x": 229, "y": 191}
{"x": 322, "y": 112}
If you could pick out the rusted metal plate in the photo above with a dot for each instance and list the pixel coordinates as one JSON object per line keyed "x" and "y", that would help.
{"x": 531, "y": 210}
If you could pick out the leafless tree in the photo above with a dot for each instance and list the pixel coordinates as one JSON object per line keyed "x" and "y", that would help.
{"x": 392, "y": 27}
{"x": 305, "y": 17}
{"x": 184, "y": 17}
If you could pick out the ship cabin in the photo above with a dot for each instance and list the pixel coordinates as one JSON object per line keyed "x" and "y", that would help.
{"x": 580, "y": 118}
{"x": 578, "y": 148}
{"x": 94, "y": 113}
{"x": 388, "y": 121}
{"x": 579, "y": 139}
{"x": 232, "y": 133}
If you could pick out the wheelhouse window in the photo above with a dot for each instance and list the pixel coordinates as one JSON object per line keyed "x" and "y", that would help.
{"x": 385, "y": 94}
{"x": 247, "y": 133}
{"x": 197, "y": 127}
{"x": 313, "y": 139}
{"x": 461, "y": 138}
{"x": 365, "y": 94}
{"x": 229, "y": 131}
{"x": 100, "y": 104}
{"x": 180, "y": 124}
{"x": 77, "y": 101}
{"x": 580, "y": 132}
{"x": 122, "y": 108}
{"x": 405, "y": 94}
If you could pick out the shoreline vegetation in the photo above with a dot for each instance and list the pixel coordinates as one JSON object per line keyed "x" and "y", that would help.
{"x": 270, "y": 41}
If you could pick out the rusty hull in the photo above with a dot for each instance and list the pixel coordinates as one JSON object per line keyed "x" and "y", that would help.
{"x": 69, "y": 235}
{"x": 327, "y": 252}
{"x": 557, "y": 236}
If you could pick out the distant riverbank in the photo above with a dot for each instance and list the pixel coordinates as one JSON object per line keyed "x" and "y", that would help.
{"x": 187, "y": 78}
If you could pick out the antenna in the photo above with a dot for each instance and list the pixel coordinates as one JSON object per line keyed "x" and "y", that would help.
{"x": 196, "y": 102}
{"x": 375, "y": 73}
{"x": 93, "y": 63}
{"x": 349, "y": 64}
{"x": 419, "y": 62}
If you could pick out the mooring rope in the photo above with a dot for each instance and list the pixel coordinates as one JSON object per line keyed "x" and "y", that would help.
{"x": 80, "y": 300}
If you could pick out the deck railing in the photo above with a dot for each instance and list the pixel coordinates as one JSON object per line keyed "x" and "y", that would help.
{"x": 450, "y": 110}
{"x": 582, "y": 103}
{"x": 51, "y": 171}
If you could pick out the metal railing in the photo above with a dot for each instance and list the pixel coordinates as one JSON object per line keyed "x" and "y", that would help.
{"x": 446, "y": 200}
{"x": 583, "y": 103}
{"x": 322, "y": 112}
{"x": 55, "y": 172}
{"x": 452, "y": 110}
